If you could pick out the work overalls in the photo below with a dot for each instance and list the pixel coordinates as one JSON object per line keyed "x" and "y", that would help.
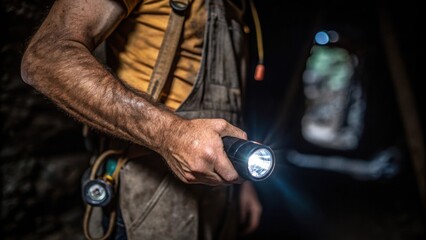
{"x": 154, "y": 203}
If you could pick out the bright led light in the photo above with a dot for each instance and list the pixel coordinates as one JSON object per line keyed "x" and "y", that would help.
{"x": 322, "y": 38}
{"x": 260, "y": 163}
{"x": 252, "y": 160}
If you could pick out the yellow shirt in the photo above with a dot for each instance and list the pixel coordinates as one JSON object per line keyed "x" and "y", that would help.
{"x": 137, "y": 41}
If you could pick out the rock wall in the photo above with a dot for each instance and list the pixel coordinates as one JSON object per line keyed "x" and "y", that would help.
{"x": 42, "y": 149}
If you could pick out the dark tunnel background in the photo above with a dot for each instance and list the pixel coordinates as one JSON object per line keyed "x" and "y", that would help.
{"x": 301, "y": 203}
{"x": 43, "y": 154}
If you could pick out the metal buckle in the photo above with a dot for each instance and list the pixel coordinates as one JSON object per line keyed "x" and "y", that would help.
{"x": 179, "y": 6}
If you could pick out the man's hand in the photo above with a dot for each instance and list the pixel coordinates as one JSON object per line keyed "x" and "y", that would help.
{"x": 250, "y": 208}
{"x": 194, "y": 151}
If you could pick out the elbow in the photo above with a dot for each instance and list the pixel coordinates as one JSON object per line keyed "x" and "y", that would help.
{"x": 32, "y": 67}
{"x": 26, "y": 68}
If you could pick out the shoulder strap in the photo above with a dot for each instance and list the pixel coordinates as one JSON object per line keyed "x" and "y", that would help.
{"x": 168, "y": 48}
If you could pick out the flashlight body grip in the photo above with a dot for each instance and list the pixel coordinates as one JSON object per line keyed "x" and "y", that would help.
{"x": 231, "y": 146}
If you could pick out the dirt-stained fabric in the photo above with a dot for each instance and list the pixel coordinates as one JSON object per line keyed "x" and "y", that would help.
{"x": 154, "y": 203}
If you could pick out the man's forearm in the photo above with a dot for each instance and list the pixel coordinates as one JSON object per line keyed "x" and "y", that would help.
{"x": 67, "y": 73}
{"x": 59, "y": 63}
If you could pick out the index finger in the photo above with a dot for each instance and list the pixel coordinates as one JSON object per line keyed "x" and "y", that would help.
{"x": 233, "y": 131}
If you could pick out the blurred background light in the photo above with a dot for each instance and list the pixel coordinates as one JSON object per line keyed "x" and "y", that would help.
{"x": 322, "y": 38}
{"x": 333, "y": 35}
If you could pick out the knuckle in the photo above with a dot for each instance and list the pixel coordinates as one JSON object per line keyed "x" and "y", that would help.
{"x": 221, "y": 124}
{"x": 201, "y": 166}
{"x": 189, "y": 178}
{"x": 209, "y": 153}
{"x": 197, "y": 168}
{"x": 183, "y": 179}
{"x": 231, "y": 177}
{"x": 244, "y": 135}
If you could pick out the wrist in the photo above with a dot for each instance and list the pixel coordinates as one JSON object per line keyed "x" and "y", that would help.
{"x": 169, "y": 133}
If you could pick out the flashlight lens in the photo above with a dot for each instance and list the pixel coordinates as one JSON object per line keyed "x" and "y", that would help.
{"x": 260, "y": 163}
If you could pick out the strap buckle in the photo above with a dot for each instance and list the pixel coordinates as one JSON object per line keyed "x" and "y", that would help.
{"x": 179, "y": 6}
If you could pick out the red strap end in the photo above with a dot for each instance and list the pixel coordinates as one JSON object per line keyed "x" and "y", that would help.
{"x": 259, "y": 73}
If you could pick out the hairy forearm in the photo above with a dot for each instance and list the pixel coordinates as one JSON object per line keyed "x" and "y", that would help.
{"x": 67, "y": 73}
{"x": 59, "y": 63}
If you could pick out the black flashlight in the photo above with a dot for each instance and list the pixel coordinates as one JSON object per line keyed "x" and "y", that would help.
{"x": 252, "y": 160}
